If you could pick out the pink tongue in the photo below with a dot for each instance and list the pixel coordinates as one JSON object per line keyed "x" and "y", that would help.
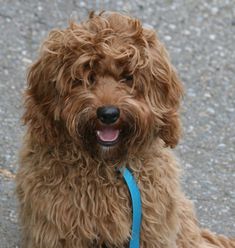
{"x": 108, "y": 134}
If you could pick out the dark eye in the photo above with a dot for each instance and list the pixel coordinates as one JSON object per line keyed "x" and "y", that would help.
{"x": 127, "y": 79}
{"x": 91, "y": 78}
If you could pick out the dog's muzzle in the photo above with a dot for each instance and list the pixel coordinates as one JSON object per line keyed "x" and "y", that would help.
{"x": 107, "y": 133}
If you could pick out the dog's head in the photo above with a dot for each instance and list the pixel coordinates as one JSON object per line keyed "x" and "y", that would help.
{"x": 106, "y": 85}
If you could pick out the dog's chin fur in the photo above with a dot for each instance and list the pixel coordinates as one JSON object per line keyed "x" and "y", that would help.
{"x": 68, "y": 186}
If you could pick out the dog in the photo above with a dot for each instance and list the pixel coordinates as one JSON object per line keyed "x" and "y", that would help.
{"x": 103, "y": 95}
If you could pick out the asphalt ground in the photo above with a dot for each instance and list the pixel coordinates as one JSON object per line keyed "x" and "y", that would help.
{"x": 200, "y": 37}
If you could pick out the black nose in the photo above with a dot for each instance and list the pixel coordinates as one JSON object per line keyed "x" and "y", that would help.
{"x": 108, "y": 114}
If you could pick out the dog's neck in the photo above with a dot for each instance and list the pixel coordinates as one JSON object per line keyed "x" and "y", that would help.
{"x": 72, "y": 157}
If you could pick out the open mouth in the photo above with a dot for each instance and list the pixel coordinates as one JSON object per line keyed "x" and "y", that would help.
{"x": 108, "y": 136}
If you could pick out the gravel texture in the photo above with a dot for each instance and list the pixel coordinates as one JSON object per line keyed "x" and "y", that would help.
{"x": 200, "y": 37}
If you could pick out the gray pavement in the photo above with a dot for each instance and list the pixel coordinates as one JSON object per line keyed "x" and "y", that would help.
{"x": 200, "y": 36}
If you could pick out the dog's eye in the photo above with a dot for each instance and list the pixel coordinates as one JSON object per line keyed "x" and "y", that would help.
{"x": 91, "y": 78}
{"x": 128, "y": 79}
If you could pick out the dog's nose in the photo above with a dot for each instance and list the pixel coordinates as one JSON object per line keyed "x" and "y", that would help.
{"x": 108, "y": 114}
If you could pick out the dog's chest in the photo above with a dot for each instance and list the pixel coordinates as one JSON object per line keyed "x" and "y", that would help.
{"x": 97, "y": 209}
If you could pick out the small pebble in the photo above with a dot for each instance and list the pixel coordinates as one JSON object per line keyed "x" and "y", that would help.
{"x": 212, "y": 37}
{"x": 210, "y": 110}
{"x": 167, "y": 37}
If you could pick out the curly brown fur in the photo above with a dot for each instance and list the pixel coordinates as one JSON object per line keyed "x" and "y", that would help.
{"x": 69, "y": 190}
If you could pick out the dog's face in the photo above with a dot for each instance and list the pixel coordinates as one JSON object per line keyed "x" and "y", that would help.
{"x": 105, "y": 85}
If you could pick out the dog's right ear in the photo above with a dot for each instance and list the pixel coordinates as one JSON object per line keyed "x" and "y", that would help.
{"x": 41, "y": 99}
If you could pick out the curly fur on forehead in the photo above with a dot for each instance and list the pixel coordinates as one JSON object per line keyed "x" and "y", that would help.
{"x": 121, "y": 38}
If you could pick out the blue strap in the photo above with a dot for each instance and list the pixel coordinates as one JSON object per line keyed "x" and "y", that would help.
{"x": 136, "y": 207}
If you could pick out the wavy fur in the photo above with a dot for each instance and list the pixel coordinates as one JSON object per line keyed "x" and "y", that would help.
{"x": 68, "y": 187}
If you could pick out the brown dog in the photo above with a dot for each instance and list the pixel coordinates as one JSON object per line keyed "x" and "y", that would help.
{"x": 103, "y": 95}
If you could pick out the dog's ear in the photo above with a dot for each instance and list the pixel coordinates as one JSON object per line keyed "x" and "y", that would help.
{"x": 41, "y": 97}
{"x": 166, "y": 91}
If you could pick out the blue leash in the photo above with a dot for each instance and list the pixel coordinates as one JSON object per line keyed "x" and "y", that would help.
{"x": 136, "y": 207}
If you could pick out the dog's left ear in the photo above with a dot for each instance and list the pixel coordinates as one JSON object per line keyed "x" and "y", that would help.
{"x": 166, "y": 90}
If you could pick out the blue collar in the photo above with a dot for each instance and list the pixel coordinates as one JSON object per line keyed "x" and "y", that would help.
{"x": 136, "y": 207}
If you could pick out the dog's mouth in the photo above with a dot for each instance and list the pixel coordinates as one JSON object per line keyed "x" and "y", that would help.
{"x": 107, "y": 136}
